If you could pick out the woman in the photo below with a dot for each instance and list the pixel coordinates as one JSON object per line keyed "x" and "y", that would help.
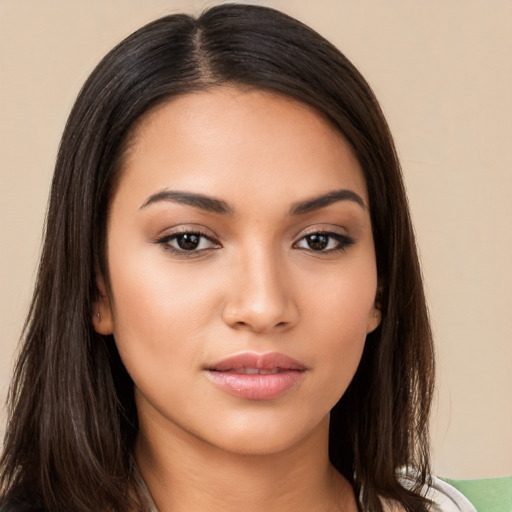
{"x": 229, "y": 310}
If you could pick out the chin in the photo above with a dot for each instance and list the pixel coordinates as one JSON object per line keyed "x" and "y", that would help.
{"x": 267, "y": 437}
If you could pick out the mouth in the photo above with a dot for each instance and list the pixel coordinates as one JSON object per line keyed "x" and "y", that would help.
{"x": 256, "y": 376}
{"x": 255, "y": 371}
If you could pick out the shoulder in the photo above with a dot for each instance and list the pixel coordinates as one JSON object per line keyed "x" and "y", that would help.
{"x": 446, "y": 498}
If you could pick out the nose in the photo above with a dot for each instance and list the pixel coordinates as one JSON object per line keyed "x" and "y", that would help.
{"x": 260, "y": 297}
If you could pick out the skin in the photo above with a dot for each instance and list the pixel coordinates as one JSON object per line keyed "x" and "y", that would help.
{"x": 253, "y": 284}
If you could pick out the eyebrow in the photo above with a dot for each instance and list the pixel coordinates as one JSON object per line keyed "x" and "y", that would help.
{"x": 207, "y": 203}
{"x": 215, "y": 205}
{"x": 321, "y": 201}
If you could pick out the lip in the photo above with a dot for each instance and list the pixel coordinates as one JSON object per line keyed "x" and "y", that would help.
{"x": 229, "y": 375}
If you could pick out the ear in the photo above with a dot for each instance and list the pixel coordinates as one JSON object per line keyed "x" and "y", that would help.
{"x": 374, "y": 318}
{"x": 375, "y": 315}
{"x": 102, "y": 318}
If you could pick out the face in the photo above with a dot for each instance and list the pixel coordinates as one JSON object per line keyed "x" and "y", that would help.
{"x": 241, "y": 269}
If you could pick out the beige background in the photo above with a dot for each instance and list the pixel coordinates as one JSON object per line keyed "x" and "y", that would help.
{"x": 442, "y": 71}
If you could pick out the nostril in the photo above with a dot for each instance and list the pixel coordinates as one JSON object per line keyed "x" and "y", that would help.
{"x": 248, "y": 325}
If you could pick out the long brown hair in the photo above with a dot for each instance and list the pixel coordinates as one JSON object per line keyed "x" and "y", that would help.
{"x": 73, "y": 421}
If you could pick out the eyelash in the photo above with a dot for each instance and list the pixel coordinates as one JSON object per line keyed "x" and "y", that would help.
{"x": 166, "y": 240}
{"x": 342, "y": 242}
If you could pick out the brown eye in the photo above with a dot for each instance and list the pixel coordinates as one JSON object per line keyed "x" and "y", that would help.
{"x": 324, "y": 242}
{"x": 188, "y": 241}
{"x": 317, "y": 242}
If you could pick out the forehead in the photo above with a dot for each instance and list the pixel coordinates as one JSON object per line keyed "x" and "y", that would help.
{"x": 230, "y": 141}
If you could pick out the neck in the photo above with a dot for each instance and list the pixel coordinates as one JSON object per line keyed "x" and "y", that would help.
{"x": 183, "y": 473}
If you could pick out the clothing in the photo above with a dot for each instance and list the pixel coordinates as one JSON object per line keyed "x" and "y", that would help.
{"x": 448, "y": 499}
{"x": 444, "y": 497}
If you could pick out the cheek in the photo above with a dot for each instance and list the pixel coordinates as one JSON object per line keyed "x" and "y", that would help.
{"x": 159, "y": 311}
{"x": 344, "y": 300}
{"x": 149, "y": 290}
{"x": 340, "y": 355}
{"x": 339, "y": 314}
